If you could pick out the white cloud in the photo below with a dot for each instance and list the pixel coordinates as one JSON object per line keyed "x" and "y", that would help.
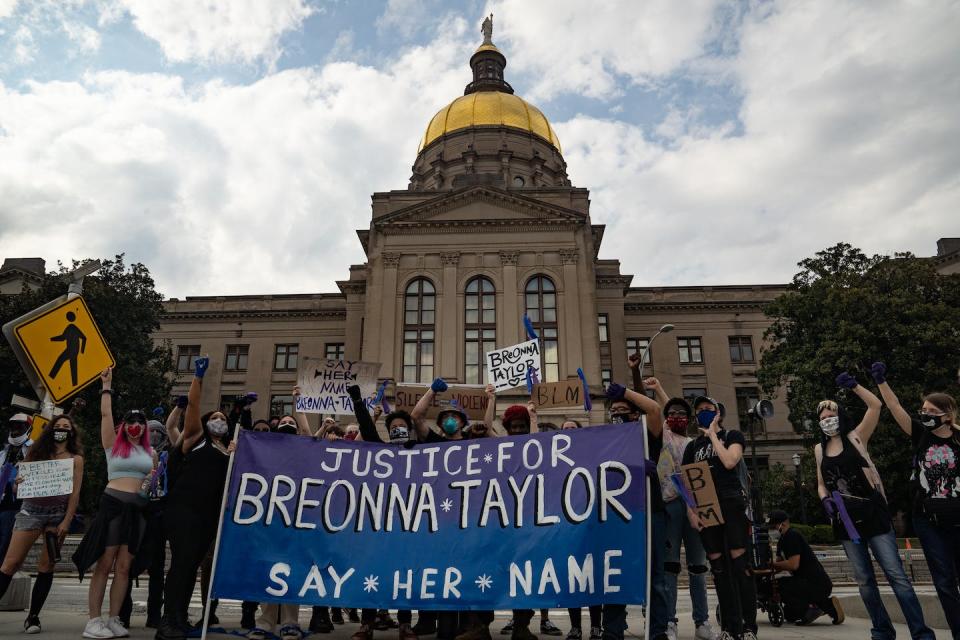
{"x": 7, "y": 7}
{"x": 219, "y": 188}
{"x": 85, "y": 37}
{"x": 244, "y": 31}
{"x": 24, "y": 47}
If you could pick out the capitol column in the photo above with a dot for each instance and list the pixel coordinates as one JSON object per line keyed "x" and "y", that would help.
{"x": 448, "y": 337}
{"x": 386, "y": 330}
{"x": 508, "y": 325}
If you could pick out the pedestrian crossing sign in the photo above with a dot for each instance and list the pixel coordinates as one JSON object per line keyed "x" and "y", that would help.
{"x": 65, "y": 347}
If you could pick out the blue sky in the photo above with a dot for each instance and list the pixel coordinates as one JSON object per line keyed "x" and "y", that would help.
{"x": 714, "y": 135}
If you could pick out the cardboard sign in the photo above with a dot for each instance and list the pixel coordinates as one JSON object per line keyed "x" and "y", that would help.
{"x": 568, "y": 393}
{"x": 323, "y": 384}
{"x": 698, "y": 481}
{"x": 45, "y": 479}
{"x": 472, "y": 400}
{"x": 507, "y": 367}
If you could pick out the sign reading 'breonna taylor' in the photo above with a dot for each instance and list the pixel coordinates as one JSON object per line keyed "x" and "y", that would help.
{"x": 507, "y": 367}
{"x": 545, "y": 520}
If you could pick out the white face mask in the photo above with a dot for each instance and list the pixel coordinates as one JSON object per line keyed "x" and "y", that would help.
{"x": 19, "y": 440}
{"x": 830, "y": 426}
{"x": 217, "y": 427}
{"x": 399, "y": 434}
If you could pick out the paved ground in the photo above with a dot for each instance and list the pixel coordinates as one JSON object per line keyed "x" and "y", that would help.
{"x": 65, "y": 615}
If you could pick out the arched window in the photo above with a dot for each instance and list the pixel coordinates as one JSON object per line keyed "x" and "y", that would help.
{"x": 419, "y": 305}
{"x": 541, "y": 303}
{"x": 480, "y": 328}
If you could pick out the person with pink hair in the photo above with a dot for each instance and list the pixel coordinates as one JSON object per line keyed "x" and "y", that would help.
{"x": 113, "y": 539}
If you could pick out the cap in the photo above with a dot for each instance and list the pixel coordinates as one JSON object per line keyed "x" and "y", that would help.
{"x": 19, "y": 417}
{"x": 156, "y": 425}
{"x": 463, "y": 416}
{"x": 703, "y": 399}
{"x": 778, "y": 516}
{"x": 516, "y": 412}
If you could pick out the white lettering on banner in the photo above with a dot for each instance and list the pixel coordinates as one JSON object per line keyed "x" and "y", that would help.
{"x": 314, "y": 581}
{"x": 580, "y": 575}
{"x": 279, "y": 571}
{"x": 507, "y": 367}
{"x": 609, "y": 571}
{"x": 323, "y": 384}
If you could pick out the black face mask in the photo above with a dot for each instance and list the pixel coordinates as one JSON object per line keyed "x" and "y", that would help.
{"x": 931, "y": 422}
{"x": 287, "y": 428}
{"x": 61, "y": 435}
{"x": 620, "y": 418}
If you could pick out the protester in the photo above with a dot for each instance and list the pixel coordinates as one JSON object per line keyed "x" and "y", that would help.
{"x": 725, "y": 544}
{"x": 677, "y": 416}
{"x": 853, "y": 497}
{"x": 114, "y": 538}
{"x": 14, "y": 450}
{"x": 60, "y": 440}
{"x": 806, "y": 593}
{"x": 261, "y": 425}
{"x": 196, "y": 478}
{"x": 936, "y": 487}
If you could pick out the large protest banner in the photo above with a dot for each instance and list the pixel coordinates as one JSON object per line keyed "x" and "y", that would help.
{"x": 323, "y": 384}
{"x": 471, "y": 400}
{"x": 507, "y": 367}
{"x": 544, "y": 520}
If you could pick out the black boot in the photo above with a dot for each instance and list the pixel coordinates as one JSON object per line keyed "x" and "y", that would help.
{"x": 170, "y": 629}
{"x": 320, "y": 620}
{"x": 336, "y": 615}
{"x": 248, "y": 615}
{"x": 426, "y": 623}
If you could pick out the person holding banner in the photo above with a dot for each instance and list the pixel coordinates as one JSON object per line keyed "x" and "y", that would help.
{"x": 853, "y": 498}
{"x": 196, "y": 478}
{"x": 48, "y": 515}
{"x": 725, "y": 543}
{"x": 451, "y": 421}
{"x": 114, "y": 538}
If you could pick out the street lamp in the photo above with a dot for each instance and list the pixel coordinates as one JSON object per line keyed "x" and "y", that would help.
{"x": 667, "y": 328}
{"x": 803, "y": 506}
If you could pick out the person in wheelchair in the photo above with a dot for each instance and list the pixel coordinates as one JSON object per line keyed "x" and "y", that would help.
{"x": 806, "y": 591}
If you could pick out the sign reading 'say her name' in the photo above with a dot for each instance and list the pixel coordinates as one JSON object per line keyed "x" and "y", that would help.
{"x": 545, "y": 520}
{"x": 323, "y": 384}
{"x": 507, "y": 367}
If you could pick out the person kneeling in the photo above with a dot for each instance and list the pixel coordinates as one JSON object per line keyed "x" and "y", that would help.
{"x": 806, "y": 592}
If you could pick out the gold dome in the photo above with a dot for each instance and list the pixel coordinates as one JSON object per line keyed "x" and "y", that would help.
{"x": 494, "y": 108}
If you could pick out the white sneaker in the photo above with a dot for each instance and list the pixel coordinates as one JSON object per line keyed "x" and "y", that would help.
{"x": 671, "y": 631}
{"x": 97, "y": 628}
{"x": 705, "y": 632}
{"x": 749, "y": 635}
{"x": 119, "y": 631}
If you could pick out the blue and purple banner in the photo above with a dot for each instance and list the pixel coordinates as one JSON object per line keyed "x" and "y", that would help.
{"x": 546, "y": 520}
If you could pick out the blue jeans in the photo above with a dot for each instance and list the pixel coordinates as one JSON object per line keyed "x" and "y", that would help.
{"x": 884, "y": 548}
{"x": 941, "y": 546}
{"x": 679, "y": 530}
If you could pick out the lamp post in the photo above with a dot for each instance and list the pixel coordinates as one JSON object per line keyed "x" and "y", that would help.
{"x": 803, "y": 506}
{"x": 667, "y": 328}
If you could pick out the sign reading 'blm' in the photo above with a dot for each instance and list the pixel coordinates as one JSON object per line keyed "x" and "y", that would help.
{"x": 507, "y": 367}
{"x": 323, "y": 384}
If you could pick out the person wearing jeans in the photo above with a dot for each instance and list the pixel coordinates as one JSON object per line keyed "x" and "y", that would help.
{"x": 679, "y": 529}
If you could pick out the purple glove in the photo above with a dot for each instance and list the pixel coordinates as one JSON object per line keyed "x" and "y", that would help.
{"x": 829, "y": 507}
{"x": 616, "y": 391}
{"x": 200, "y": 366}
{"x": 438, "y": 386}
{"x": 879, "y": 372}
{"x": 846, "y": 381}
{"x": 251, "y": 397}
{"x": 182, "y": 402}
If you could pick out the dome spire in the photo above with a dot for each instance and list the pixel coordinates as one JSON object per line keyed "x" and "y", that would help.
{"x": 488, "y": 64}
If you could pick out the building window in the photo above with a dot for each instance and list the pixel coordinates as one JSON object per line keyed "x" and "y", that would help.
{"x": 741, "y": 349}
{"x": 606, "y": 376}
{"x": 690, "y": 394}
{"x": 541, "y": 303}
{"x": 285, "y": 357}
{"x": 747, "y": 399}
{"x": 637, "y": 345}
{"x": 226, "y": 403}
{"x": 333, "y": 351}
{"x": 691, "y": 351}
{"x": 480, "y": 328}
{"x": 419, "y": 304}
{"x": 186, "y": 354}
{"x": 236, "y": 359}
{"x": 603, "y": 324}
{"x": 281, "y": 405}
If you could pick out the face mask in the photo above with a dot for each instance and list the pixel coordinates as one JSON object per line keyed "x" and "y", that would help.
{"x": 705, "y": 418}
{"x": 133, "y": 430}
{"x": 399, "y": 434}
{"x": 287, "y": 427}
{"x": 217, "y": 427}
{"x": 678, "y": 424}
{"x": 931, "y": 422}
{"x": 619, "y": 418}
{"x": 18, "y": 440}
{"x": 61, "y": 435}
{"x": 830, "y": 426}
{"x": 450, "y": 425}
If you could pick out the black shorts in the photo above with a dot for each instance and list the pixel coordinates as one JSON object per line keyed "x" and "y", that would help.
{"x": 734, "y": 533}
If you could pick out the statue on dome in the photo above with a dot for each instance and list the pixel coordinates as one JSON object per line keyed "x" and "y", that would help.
{"x": 487, "y": 29}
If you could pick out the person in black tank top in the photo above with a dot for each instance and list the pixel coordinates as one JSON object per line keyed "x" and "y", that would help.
{"x": 853, "y": 498}
{"x": 196, "y": 474}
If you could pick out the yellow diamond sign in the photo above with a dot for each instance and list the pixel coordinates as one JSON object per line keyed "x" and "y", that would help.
{"x": 65, "y": 347}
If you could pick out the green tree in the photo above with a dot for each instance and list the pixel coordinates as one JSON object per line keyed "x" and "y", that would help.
{"x": 127, "y": 309}
{"x": 842, "y": 312}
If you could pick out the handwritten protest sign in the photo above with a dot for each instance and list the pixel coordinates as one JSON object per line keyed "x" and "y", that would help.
{"x": 472, "y": 400}
{"x": 568, "y": 393}
{"x": 507, "y": 367}
{"x": 543, "y": 520}
{"x": 698, "y": 481}
{"x": 44, "y": 479}
{"x": 323, "y": 384}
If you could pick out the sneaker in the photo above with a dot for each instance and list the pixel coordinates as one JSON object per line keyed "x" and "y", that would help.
{"x": 365, "y": 632}
{"x": 671, "y": 631}
{"x": 257, "y": 634}
{"x": 811, "y": 614}
{"x": 575, "y": 634}
{"x": 749, "y": 635}
{"x": 508, "y": 629}
{"x": 352, "y": 615}
{"x": 476, "y": 632}
{"x": 726, "y": 635}
{"x": 97, "y": 628}
{"x": 840, "y": 617}
{"x": 31, "y": 624}
{"x": 406, "y": 632}
{"x": 548, "y": 628}
{"x": 522, "y": 633}
{"x": 705, "y": 632}
{"x": 168, "y": 629}
{"x": 117, "y": 628}
{"x": 290, "y": 632}
{"x": 596, "y": 633}
{"x": 336, "y": 615}
{"x": 384, "y": 621}
{"x": 320, "y": 621}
